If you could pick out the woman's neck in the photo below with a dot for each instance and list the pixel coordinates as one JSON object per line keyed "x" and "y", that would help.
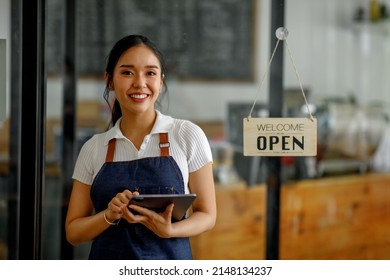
{"x": 136, "y": 127}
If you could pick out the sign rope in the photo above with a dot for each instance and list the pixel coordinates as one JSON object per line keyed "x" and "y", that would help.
{"x": 281, "y": 33}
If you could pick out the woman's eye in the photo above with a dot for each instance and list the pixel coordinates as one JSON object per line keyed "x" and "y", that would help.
{"x": 127, "y": 73}
{"x": 151, "y": 73}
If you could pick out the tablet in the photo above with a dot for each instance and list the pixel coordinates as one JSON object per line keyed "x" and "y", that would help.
{"x": 158, "y": 202}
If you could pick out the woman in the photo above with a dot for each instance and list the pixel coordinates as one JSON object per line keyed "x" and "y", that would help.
{"x": 128, "y": 159}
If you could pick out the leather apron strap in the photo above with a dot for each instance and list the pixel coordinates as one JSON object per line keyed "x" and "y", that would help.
{"x": 110, "y": 150}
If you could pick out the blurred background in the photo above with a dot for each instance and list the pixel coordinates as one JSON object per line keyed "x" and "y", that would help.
{"x": 332, "y": 206}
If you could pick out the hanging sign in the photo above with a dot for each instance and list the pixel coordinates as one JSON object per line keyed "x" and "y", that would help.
{"x": 280, "y": 136}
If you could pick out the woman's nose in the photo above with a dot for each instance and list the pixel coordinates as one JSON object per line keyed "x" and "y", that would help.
{"x": 139, "y": 82}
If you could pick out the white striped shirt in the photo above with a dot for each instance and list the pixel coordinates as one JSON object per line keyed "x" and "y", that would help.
{"x": 188, "y": 146}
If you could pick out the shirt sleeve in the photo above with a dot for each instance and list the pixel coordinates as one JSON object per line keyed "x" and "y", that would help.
{"x": 196, "y": 146}
{"x": 84, "y": 170}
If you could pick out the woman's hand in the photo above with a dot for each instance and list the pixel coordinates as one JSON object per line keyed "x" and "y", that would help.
{"x": 114, "y": 208}
{"x": 159, "y": 223}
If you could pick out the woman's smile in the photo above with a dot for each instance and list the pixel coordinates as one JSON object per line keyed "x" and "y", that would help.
{"x": 139, "y": 97}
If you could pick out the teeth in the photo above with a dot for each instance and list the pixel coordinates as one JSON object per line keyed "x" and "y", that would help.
{"x": 138, "y": 96}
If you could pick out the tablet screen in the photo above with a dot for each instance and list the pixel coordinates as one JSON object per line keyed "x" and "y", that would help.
{"x": 158, "y": 202}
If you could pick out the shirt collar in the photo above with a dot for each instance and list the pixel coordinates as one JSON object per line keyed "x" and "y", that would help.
{"x": 163, "y": 124}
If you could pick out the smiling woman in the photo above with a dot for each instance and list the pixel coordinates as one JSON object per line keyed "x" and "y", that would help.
{"x": 145, "y": 152}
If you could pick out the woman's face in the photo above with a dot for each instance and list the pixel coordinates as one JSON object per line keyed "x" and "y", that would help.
{"x": 137, "y": 80}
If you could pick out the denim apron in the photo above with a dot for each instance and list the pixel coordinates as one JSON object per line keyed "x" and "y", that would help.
{"x": 150, "y": 175}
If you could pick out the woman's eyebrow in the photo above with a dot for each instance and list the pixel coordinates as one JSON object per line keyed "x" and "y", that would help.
{"x": 132, "y": 66}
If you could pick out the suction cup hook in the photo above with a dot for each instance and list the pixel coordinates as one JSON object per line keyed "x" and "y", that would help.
{"x": 281, "y": 33}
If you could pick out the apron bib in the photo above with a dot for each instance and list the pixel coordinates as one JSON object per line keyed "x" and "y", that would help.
{"x": 152, "y": 175}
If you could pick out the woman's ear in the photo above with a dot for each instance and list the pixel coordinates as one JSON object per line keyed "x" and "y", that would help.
{"x": 108, "y": 81}
{"x": 162, "y": 81}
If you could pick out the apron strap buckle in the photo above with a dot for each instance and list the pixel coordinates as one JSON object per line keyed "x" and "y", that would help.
{"x": 164, "y": 144}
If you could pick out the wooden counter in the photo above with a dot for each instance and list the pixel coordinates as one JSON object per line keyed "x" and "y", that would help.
{"x": 336, "y": 218}
{"x": 239, "y": 230}
{"x": 333, "y": 218}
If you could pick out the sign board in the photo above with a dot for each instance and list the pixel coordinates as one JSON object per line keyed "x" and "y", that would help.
{"x": 280, "y": 136}
{"x": 3, "y": 65}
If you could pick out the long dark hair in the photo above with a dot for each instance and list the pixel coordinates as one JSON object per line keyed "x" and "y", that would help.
{"x": 119, "y": 48}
